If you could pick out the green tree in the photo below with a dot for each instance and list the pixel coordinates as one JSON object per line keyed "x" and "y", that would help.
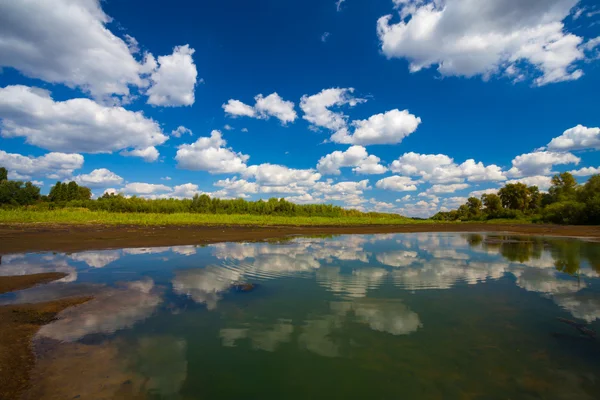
{"x": 564, "y": 187}
{"x": 534, "y": 199}
{"x": 474, "y": 205}
{"x": 3, "y": 174}
{"x": 492, "y": 204}
{"x": 514, "y": 196}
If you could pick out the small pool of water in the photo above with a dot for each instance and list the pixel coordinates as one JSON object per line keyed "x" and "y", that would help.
{"x": 412, "y": 316}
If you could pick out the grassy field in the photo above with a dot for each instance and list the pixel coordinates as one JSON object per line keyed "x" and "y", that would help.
{"x": 84, "y": 216}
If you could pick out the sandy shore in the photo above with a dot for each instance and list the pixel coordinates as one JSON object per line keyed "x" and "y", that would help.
{"x": 34, "y": 238}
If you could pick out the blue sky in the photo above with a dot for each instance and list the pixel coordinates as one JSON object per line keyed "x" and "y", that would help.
{"x": 409, "y": 113}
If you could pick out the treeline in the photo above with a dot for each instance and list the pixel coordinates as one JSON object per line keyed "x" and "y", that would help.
{"x": 566, "y": 202}
{"x": 71, "y": 195}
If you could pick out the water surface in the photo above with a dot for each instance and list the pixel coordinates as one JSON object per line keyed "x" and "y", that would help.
{"x": 416, "y": 316}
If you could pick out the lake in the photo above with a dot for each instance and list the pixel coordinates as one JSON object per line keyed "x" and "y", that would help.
{"x": 401, "y": 316}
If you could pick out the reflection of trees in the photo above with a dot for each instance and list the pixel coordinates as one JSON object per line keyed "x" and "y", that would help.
{"x": 566, "y": 256}
{"x": 474, "y": 239}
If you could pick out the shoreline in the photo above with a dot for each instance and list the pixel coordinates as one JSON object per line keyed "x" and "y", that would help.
{"x": 20, "y": 238}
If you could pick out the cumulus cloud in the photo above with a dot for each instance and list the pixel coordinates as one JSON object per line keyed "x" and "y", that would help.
{"x": 397, "y": 183}
{"x": 280, "y": 175}
{"x": 149, "y": 154}
{"x": 317, "y": 111}
{"x": 540, "y": 163}
{"x": 210, "y": 154}
{"x": 587, "y": 171}
{"x": 76, "y": 125}
{"x": 174, "y": 81}
{"x": 464, "y": 38}
{"x": 479, "y": 193}
{"x": 439, "y": 168}
{"x": 82, "y": 52}
{"x": 98, "y": 178}
{"x": 144, "y": 188}
{"x": 238, "y": 109}
{"x": 387, "y": 128}
{"x": 355, "y": 156}
{"x": 265, "y": 107}
{"x": 51, "y": 165}
{"x": 180, "y": 131}
{"x": 348, "y": 192}
{"x": 577, "y": 138}
{"x": 542, "y": 182}
{"x": 237, "y": 187}
{"x": 436, "y": 189}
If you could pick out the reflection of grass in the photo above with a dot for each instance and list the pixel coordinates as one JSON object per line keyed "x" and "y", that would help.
{"x": 83, "y": 216}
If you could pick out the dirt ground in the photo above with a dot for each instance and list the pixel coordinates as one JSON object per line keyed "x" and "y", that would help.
{"x": 36, "y": 237}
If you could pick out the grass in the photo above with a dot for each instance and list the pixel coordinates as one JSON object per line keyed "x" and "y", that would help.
{"x": 84, "y": 216}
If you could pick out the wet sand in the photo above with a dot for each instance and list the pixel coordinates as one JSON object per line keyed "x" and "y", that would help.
{"x": 18, "y": 325}
{"x": 19, "y": 238}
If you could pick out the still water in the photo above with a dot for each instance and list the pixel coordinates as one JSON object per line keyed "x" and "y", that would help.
{"x": 407, "y": 316}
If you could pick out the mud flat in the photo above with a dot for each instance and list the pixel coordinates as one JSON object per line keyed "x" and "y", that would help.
{"x": 20, "y": 238}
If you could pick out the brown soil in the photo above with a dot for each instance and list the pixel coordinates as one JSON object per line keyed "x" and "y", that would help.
{"x": 12, "y": 283}
{"x": 18, "y": 325}
{"x": 34, "y": 237}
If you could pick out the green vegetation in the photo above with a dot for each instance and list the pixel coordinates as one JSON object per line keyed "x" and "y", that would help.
{"x": 85, "y": 216}
{"x": 71, "y": 203}
{"x": 566, "y": 202}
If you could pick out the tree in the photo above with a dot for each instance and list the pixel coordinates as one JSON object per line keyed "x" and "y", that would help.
{"x": 18, "y": 193}
{"x": 535, "y": 198}
{"x": 514, "y": 196}
{"x": 564, "y": 187}
{"x": 3, "y": 174}
{"x": 474, "y": 206}
{"x": 492, "y": 204}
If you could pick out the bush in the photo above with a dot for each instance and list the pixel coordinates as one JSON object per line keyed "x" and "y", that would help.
{"x": 565, "y": 212}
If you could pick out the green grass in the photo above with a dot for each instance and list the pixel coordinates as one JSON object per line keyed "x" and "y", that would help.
{"x": 84, "y": 216}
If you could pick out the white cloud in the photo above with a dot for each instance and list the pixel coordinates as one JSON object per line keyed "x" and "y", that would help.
{"x": 587, "y": 171}
{"x": 237, "y": 187}
{"x": 65, "y": 41}
{"x": 244, "y": 129}
{"x": 479, "y": 193}
{"x": 338, "y": 4}
{"x": 464, "y": 38}
{"x": 304, "y": 199}
{"x": 540, "y": 163}
{"x": 52, "y": 165}
{"x": 387, "y": 128}
{"x": 348, "y": 192}
{"x": 280, "y": 175}
{"x": 166, "y": 178}
{"x": 144, "y": 188}
{"x": 317, "y": 111}
{"x": 185, "y": 191}
{"x": 228, "y": 127}
{"x": 149, "y": 154}
{"x": 238, "y": 109}
{"x": 542, "y": 182}
{"x": 271, "y": 106}
{"x": 210, "y": 154}
{"x": 397, "y": 183}
{"x": 76, "y": 125}
{"x": 174, "y": 81}
{"x": 421, "y": 209}
{"x": 355, "y": 156}
{"x": 577, "y": 138}
{"x": 180, "y": 131}
{"x": 439, "y": 168}
{"x": 98, "y": 178}
{"x": 447, "y": 188}
{"x": 454, "y": 202}
{"x": 324, "y": 36}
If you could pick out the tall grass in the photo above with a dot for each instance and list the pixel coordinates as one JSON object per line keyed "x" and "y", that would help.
{"x": 85, "y": 216}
